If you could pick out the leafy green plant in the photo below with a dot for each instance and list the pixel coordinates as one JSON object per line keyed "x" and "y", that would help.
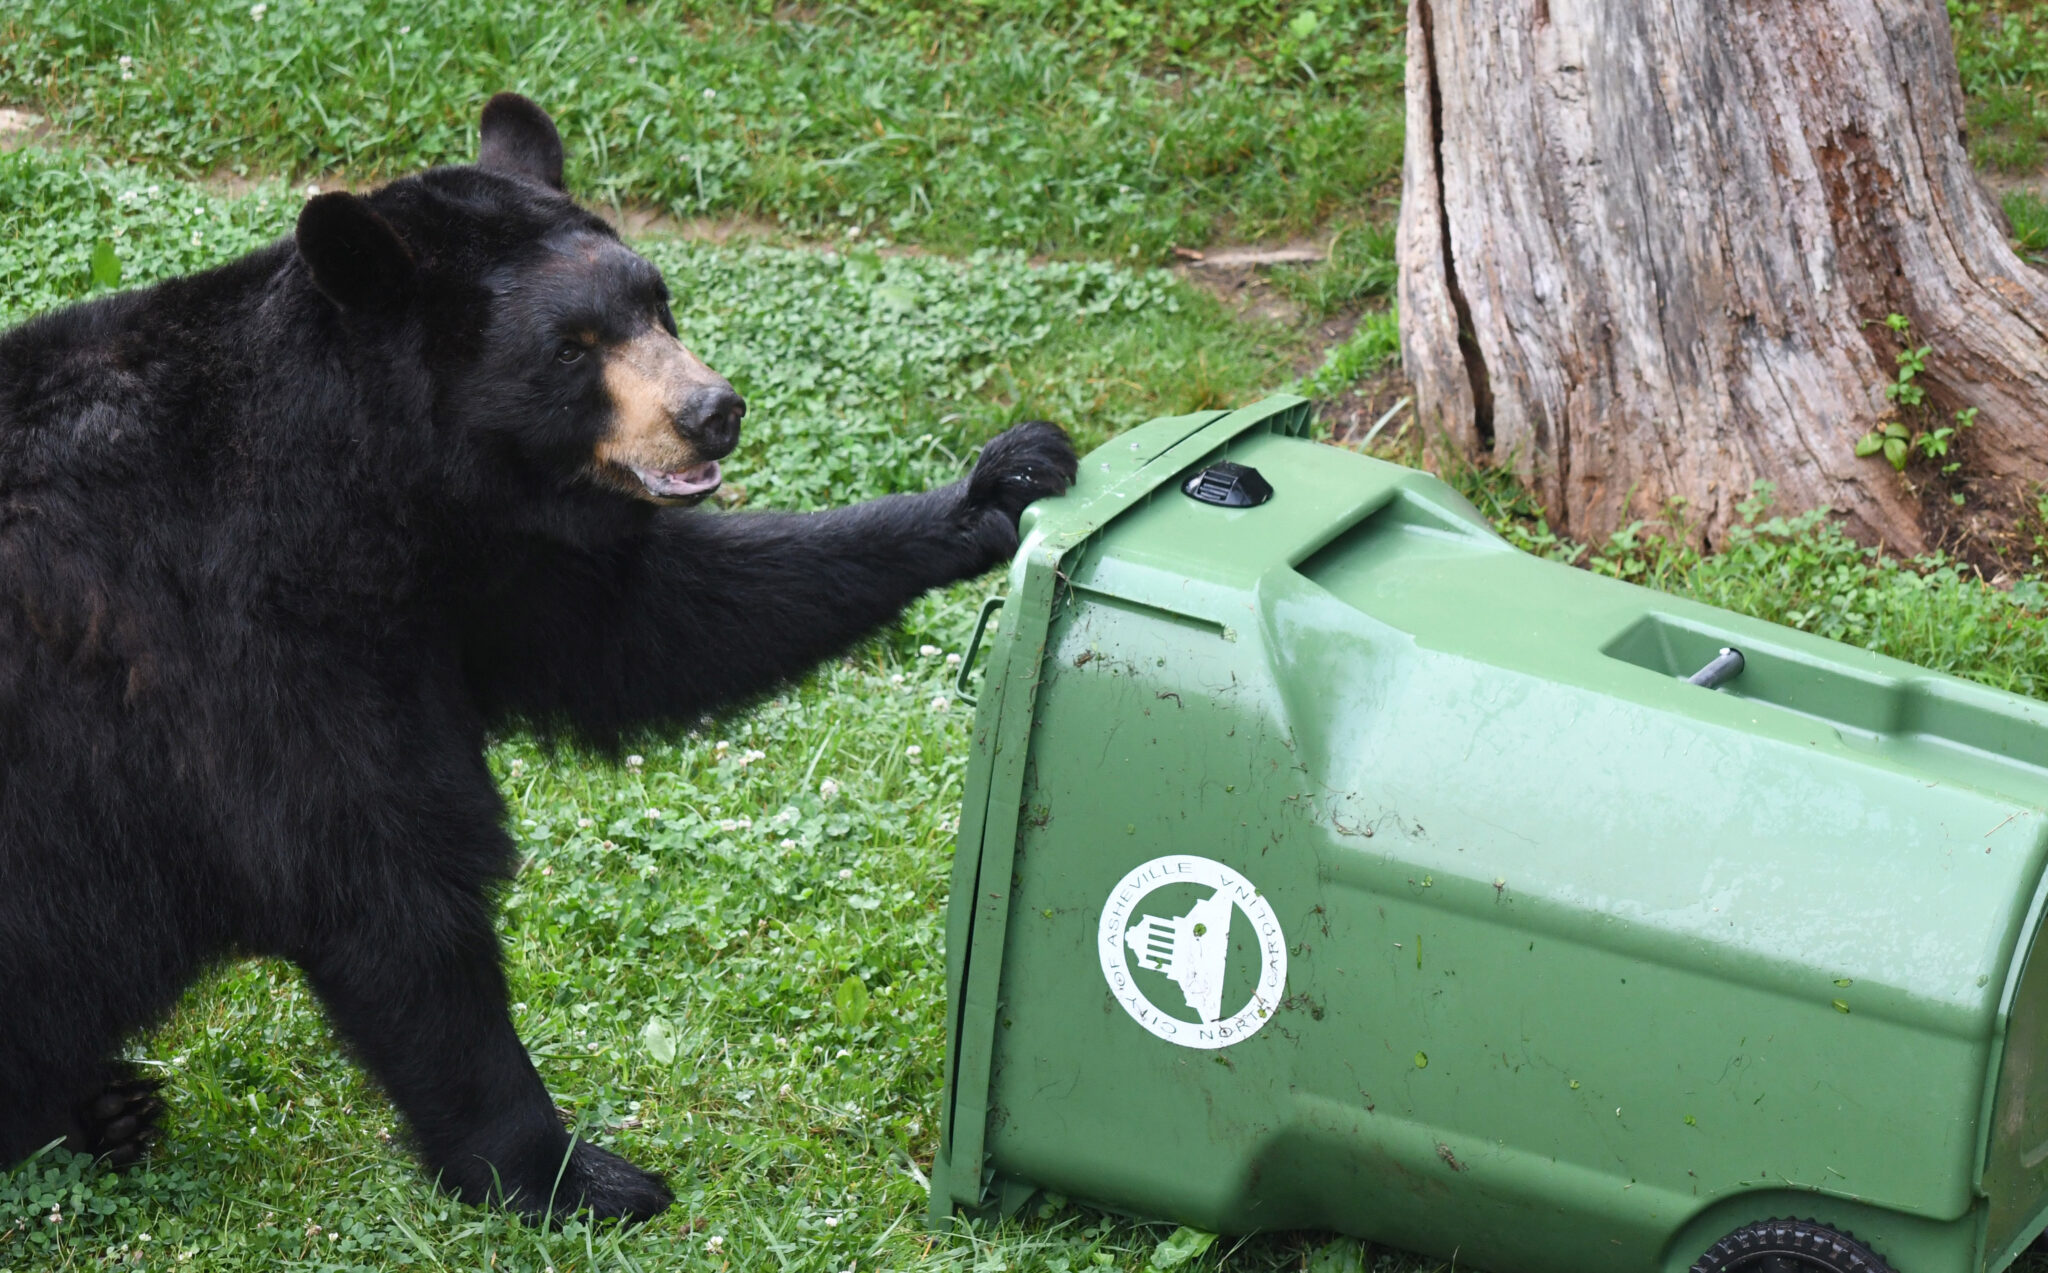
{"x": 1902, "y": 391}
{"x": 1897, "y": 441}
{"x": 1899, "y": 444}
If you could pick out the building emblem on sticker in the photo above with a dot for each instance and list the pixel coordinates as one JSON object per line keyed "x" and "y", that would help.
{"x": 1192, "y": 951}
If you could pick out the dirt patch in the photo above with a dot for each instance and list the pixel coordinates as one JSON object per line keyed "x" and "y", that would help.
{"x": 1236, "y": 274}
{"x": 1241, "y": 276}
{"x": 20, "y": 128}
{"x": 1386, "y": 399}
{"x": 639, "y": 221}
{"x": 2000, "y": 184}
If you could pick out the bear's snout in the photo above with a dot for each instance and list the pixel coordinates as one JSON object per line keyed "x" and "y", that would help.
{"x": 672, "y": 419}
{"x": 710, "y": 419}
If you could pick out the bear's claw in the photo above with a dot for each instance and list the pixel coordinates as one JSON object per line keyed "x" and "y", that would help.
{"x": 600, "y": 1184}
{"x": 117, "y": 1123}
{"x": 1026, "y": 462}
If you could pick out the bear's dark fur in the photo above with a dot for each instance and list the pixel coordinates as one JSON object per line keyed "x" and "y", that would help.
{"x": 279, "y": 544}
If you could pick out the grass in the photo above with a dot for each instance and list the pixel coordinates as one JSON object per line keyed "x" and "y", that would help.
{"x": 1374, "y": 343}
{"x": 2028, "y": 213}
{"x": 726, "y": 952}
{"x": 1360, "y": 270}
{"x": 1265, "y": 42}
{"x": 2002, "y": 53}
{"x": 940, "y": 132}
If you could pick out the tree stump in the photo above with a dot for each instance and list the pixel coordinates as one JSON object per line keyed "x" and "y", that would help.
{"x": 1647, "y": 250}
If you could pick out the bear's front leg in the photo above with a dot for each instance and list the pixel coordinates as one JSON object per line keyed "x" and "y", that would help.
{"x": 706, "y": 610}
{"x": 424, "y": 1007}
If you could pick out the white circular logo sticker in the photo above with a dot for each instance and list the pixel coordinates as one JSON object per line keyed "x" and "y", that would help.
{"x": 1180, "y": 945}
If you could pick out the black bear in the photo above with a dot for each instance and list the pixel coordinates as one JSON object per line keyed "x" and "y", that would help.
{"x": 280, "y": 542}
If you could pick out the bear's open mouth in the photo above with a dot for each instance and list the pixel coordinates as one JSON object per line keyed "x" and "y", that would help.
{"x": 695, "y": 481}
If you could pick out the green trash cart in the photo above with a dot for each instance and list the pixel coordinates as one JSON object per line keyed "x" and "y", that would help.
{"x": 1328, "y": 863}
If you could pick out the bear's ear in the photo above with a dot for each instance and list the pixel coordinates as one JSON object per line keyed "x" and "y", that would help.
{"x": 357, "y": 259}
{"x": 520, "y": 140}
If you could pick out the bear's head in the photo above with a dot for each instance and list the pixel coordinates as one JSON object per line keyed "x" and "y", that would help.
{"x": 550, "y": 357}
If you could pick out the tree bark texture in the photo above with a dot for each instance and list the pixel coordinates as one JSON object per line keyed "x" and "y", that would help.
{"x": 1647, "y": 247}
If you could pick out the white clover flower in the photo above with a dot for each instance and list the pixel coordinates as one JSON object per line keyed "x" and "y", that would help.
{"x": 405, "y": 30}
{"x": 831, "y": 1222}
{"x": 828, "y": 789}
{"x": 632, "y": 59}
{"x": 845, "y": 873}
{"x": 256, "y": 12}
{"x": 585, "y": 823}
{"x": 896, "y": 678}
{"x": 941, "y": 703}
{"x": 312, "y": 188}
{"x": 634, "y": 762}
{"x": 516, "y": 765}
{"x": 786, "y": 844}
{"x": 710, "y": 93}
{"x": 721, "y": 747}
{"x": 952, "y": 660}
{"x": 928, "y": 651}
{"x": 913, "y": 751}
{"x": 728, "y": 825}
{"x": 716, "y": 1242}
{"x": 744, "y": 824}
{"x": 125, "y": 60}
{"x": 653, "y": 815}
{"x": 841, "y": 1055}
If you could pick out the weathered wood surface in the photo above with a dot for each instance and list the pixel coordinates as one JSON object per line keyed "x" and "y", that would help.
{"x": 1646, "y": 247}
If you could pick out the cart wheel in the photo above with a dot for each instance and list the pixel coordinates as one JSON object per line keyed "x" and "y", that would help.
{"x": 1789, "y": 1246}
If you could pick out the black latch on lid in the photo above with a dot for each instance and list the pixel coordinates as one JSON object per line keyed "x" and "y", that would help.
{"x": 1231, "y": 485}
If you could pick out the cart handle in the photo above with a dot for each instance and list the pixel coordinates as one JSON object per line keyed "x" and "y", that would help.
{"x": 981, "y": 625}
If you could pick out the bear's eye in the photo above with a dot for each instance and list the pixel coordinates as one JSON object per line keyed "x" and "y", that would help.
{"x": 570, "y": 352}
